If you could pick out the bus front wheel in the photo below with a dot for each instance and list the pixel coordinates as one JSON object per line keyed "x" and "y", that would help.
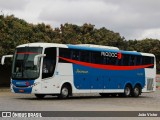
{"x": 64, "y": 92}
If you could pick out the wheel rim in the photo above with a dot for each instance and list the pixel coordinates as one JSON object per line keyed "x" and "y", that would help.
{"x": 65, "y": 92}
{"x": 127, "y": 91}
{"x": 136, "y": 91}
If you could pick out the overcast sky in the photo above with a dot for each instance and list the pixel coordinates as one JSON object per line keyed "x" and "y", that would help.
{"x": 133, "y": 19}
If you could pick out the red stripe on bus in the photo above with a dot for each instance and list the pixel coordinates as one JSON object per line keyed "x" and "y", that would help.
{"x": 106, "y": 67}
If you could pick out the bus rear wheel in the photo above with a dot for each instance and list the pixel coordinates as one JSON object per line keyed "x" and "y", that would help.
{"x": 40, "y": 96}
{"x": 64, "y": 92}
{"x": 136, "y": 91}
{"x": 127, "y": 91}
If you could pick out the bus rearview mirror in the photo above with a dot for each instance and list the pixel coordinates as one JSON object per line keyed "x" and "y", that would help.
{"x": 3, "y": 58}
{"x": 36, "y": 58}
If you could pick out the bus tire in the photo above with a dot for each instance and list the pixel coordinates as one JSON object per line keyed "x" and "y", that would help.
{"x": 40, "y": 96}
{"x": 136, "y": 91}
{"x": 64, "y": 92}
{"x": 127, "y": 91}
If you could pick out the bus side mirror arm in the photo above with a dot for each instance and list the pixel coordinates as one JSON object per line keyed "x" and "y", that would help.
{"x": 36, "y": 58}
{"x": 5, "y": 56}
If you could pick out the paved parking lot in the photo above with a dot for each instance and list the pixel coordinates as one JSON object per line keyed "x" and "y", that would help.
{"x": 88, "y": 102}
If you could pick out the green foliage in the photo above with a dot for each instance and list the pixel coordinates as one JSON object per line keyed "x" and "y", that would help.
{"x": 14, "y": 31}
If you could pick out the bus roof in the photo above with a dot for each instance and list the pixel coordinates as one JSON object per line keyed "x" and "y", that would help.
{"x": 85, "y": 47}
{"x": 43, "y": 45}
{"x": 98, "y": 46}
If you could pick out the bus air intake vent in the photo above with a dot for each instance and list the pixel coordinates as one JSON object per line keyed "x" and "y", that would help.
{"x": 149, "y": 84}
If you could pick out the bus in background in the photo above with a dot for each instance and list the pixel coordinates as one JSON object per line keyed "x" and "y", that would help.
{"x": 64, "y": 69}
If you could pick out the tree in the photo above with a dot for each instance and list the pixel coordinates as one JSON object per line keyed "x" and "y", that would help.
{"x": 14, "y": 31}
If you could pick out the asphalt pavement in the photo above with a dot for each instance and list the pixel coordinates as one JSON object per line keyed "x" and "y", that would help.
{"x": 79, "y": 102}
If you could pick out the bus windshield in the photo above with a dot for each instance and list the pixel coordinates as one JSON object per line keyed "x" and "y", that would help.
{"x": 23, "y": 63}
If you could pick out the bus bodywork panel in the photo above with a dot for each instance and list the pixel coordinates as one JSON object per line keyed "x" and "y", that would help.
{"x": 92, "y": 78}
{"x": 22, "y": 86}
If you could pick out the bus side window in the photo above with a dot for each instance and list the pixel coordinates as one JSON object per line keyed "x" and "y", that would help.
{"x": 97, "y": 58}
{"x": 75, "y": 54}
{"x": 152, "y": 60}
{"x": 147, "y": 60}
{"x": 132, "y": 60}
{"x": 111, "y": 60}
{"x": 84, "y": 56}
{"x": 65, "y": 53}
{"x": 138, "y": 60}
{"x": 125, "y": 60}
{"x": 119, "y": 61}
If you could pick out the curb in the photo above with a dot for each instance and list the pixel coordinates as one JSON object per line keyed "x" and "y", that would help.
{"x": 5, "y": 89}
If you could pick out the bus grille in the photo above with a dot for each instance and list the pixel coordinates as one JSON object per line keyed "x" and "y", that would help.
{"x": 149, "y": 84}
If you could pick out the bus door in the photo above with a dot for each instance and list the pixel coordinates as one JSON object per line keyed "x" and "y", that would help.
{"x": 48, "y": 67}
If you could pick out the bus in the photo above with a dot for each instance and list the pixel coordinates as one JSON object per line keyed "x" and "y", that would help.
{"x": 65, "y": 69}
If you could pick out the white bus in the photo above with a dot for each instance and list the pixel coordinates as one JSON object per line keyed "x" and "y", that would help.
{"x": 64, "y": 69}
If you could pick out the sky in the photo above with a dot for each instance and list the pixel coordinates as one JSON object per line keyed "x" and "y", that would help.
{"x": 133, "y": 19}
